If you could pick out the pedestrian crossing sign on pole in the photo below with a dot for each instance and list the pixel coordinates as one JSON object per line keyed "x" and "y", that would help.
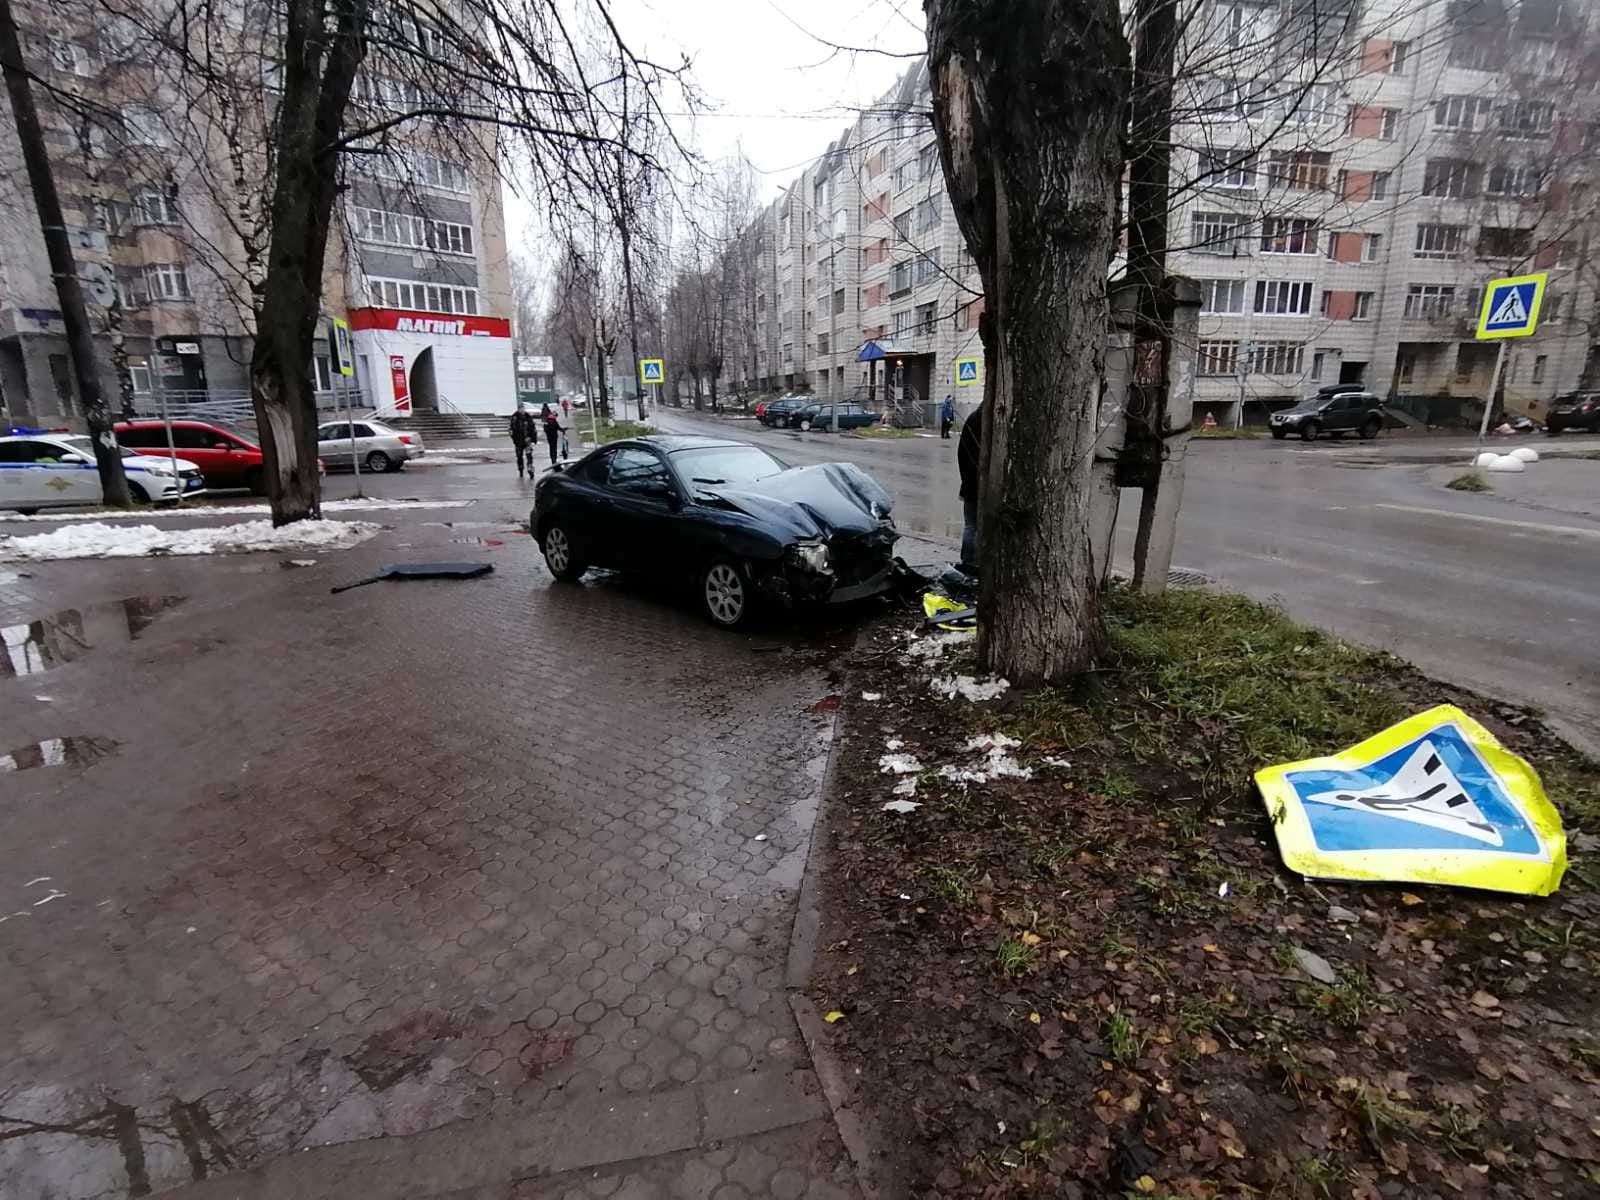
{"x": 652, "y": 370}
{"x": 342, "y": 356}
{"x": 967, "y": 371}
{"x": 1511, "y": 306}
{"x": 1433, "y": 799}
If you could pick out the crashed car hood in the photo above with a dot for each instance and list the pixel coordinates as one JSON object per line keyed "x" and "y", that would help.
{"x": 811, "y": 502}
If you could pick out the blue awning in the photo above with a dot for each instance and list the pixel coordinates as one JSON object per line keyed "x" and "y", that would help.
{"x": 871, "y": 352}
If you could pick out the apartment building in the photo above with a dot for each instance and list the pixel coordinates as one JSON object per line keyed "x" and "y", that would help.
{"x": 865, "y": 289}
{"x": 1341, "y": 213}
{"x": 416, "y": 263}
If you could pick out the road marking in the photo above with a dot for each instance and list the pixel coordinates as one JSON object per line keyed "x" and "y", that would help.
{"x": 1464, "y": 516}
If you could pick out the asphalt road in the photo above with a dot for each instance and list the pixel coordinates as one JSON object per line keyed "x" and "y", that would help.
{"x": 1497, "y": 594}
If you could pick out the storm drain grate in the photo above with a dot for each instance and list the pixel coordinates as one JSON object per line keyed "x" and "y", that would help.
{"x": 1180, "y": 578}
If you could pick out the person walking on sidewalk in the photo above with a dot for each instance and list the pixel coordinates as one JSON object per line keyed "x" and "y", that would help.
{"x": 524, "y": 433}
{"x": 947, "y": 417}
{"x": 968, "y": 451}
{"x": 552, "y": 428}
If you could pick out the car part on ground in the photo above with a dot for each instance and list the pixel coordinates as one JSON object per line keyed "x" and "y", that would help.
{"x": 471, "y": 570}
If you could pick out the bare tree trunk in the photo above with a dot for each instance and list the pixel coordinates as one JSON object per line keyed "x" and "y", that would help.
{"x": 1029, "y": 98}
{"x": 69, "y": 292}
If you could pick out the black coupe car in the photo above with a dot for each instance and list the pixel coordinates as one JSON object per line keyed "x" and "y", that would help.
{"x": 737, "y": 524}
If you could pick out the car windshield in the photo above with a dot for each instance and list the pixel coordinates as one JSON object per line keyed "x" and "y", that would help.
{"x": 725, "y": 464}
{"x": 85, "y": 447}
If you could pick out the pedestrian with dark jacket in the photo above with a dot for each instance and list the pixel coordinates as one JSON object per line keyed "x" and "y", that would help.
{"x": 968, "y": 451}
{"x": 947, "y": 417}
{"x": 524, "y": 434}
{"x": 552, "y": 429}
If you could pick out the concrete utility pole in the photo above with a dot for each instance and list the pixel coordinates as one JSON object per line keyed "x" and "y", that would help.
{"x": 69, "y": 292}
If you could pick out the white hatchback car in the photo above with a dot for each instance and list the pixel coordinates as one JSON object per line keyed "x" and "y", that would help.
{"x": 44, "y": 470}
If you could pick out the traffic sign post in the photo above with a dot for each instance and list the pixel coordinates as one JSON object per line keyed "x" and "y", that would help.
{"x": 1510, "y": 310}
{"x": 969, "y": 371}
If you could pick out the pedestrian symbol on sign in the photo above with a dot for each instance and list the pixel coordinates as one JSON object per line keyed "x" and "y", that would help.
{"x": 652, "y": 370}
{"x": 966, "y": 370}
{"x": 1511, "y": 307}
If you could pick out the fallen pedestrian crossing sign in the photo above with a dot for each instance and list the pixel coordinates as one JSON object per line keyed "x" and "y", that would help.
{"x": 967, "y": 370}
{"x": 1511, "y": 306}
{"x": 1434, "y": 799}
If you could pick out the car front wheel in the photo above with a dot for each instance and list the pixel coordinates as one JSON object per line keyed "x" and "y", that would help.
{"x": 1370, "y": 429}
{"x": 559, "y": 555}
{"x": 137, "y": 494}
{"x": 1309, "y": 431}
{"x": 805, "y": 426}
{"x": 725, "y": 594}
{"x": 1279, "y": 434}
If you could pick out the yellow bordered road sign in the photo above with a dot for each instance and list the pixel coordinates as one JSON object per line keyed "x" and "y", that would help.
{"x": 1511, "y": 306}
{"x": 652, "y": 370}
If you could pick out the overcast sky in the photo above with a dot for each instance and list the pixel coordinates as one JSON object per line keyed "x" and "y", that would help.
{"x": 770, "y": 88}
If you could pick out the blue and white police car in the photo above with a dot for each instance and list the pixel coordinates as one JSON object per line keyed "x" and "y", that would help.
{"x": 49, "y": 470}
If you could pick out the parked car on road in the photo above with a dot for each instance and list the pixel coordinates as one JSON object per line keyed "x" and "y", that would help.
{"x": 1573, "y": 412}
{"x": 779, "y": 412}
{"x": 50, "y": 470}
{"x": 1336, "y": 415}
{"x": 226, "y": 459}
{"x": 821, "y": 416}
{"x": 377, "y": 447}
{"x": 727, "y": 518}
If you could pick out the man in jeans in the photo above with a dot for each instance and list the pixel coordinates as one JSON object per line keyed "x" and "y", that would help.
{"x": 947, "y": 417}
{"x": 523, "y": 431}
{"x": 968, "y": 450}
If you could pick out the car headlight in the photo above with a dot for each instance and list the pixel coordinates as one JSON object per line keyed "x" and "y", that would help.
{"x": 161, "y": 469}
{"x": 813, "y": 556}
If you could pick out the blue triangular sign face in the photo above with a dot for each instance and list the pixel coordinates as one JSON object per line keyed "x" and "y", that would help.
{"x": 1510, "y": 307}
{"x": 1433, "y": 793}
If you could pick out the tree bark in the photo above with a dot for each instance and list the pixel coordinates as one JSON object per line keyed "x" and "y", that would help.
{"x": 1029, "y": 99}
{"x": 58, "y": 247}
{"x": 318, "y": 73}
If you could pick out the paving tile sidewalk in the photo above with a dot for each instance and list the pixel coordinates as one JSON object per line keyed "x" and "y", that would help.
{"x": 429, "y": 857}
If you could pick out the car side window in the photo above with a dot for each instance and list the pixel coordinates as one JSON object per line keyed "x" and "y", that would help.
{"x": 26, "y": 452}
{"x": 594, "y": 470}
{"x": 365, "y": 431}
{"x": 330, "y": 433}
{"x": 139, "y": 436}
{"x": 638, "y": 471}
{"x": 190, "y": 438}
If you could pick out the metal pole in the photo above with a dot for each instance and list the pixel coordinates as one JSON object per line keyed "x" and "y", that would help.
{"x": 1488, "y": 405}
{"x": 350, "y": 415}
{"x": 172, "y": 452}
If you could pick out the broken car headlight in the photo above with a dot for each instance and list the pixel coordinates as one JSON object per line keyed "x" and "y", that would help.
{"x": 813, "y": 556}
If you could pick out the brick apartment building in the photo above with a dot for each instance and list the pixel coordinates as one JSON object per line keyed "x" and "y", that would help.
{"x": 1341, "y": 214}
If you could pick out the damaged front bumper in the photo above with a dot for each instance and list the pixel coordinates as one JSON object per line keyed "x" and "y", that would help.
{"x": 841, "y": 570}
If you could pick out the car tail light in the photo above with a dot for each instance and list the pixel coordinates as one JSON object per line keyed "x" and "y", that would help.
{"x": 405, "y": 439}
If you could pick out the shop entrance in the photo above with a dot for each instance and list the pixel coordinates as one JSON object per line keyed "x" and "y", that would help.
{"x": 424, "y": 383}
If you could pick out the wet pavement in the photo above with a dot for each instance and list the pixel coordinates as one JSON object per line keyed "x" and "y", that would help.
{"x": 374, "y": 894}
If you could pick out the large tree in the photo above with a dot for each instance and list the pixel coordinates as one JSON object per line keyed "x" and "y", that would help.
{"x": 1029, "y": 103}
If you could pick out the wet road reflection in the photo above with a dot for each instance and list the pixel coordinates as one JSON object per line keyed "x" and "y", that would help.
{"x": 58, "y": 752}
{"x": 66, "y": 636}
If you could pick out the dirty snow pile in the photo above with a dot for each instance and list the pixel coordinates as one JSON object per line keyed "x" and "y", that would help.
{"x": 898, "y": 764}
{"x": 929, "y": 649}
{"x": 996, "y": 763}
{"x": 99, "y": 540}
{"x": 191, "y": 509}
{"x": 968, "y": 687}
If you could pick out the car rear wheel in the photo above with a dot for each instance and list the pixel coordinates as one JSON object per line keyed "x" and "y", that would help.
{"x": 1369, "y": 429}
{"x": 805, "y": 425}
{"x": 725, "y": 594}
{"x": 378, "y": 462}
{"x": 1309, "y": 431}
{"x": 559, "y": 555}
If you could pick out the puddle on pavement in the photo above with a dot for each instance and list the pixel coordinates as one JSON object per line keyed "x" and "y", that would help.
{"x": 66, "y": 636}
{"x": 59, "y": 752}
{"x": 273, "y": 567}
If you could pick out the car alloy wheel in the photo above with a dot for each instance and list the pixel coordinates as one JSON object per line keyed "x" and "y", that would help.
{"x": 558, "y": 555}
{"x": 724, "y": 594}
{"x": 377, "y": 462}
{"x": 1370, "y": 429}
{"x": 1309, "y": 431}
{"x": 805, "y": 426}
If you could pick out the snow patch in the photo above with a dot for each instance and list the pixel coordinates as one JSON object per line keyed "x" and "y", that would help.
{"x": 898, "y": 764}
{"x": 893, "y": 744}
{"x": 97, "y": 540}
{"x": 932, "y": 648}
{"x": 907, "y": 786}
{"x": 968, "y": 688}
{"x": 901, "y": 806}
{"x": 992, "y": 741}
{"x": 871, "y": 696}
{"x": 364, "y": 504}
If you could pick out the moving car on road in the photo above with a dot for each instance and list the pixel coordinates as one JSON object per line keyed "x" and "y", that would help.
{"x": 735, "y": 523}
{"x": 1573, "y": 412}
{"x": 226, "y": 459}
{"x": 1336, "y": 415}
{"x": 821, "y": 416}
{"x": 377, "y": 447}
{"x": 50, "y": 470}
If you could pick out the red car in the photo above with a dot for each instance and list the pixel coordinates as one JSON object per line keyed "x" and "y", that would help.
{"x": 226, "y": 459}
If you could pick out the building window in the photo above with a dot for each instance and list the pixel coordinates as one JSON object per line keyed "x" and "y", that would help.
{"x": 1219, "y": 358}
{"x": 928, "y": 159}
{"x": 900, "y": 278}
{"x": 1540, "y": 362}
{"x": 1514, "y": 180}
{"x": 1451, "y": 177}
{"x": 1219, "y": 233}
{"x": 904, "y": 321}
{"x": 1283, "y": 297}
{"x": 1399, "y": 57}
{"x": 70, "y": 57}
{"x": 902, "y": 226}
{"x": 928, "y": 265}
{"x": 1429, "y": 300}
{"x": 319, "y": 363}
{"x": 905, "y": 175}
{"x": 1372, "y": 248}
{"x": 1389, "y": 124}
{"x": 1439, "y": 241}
{"x": 1527, "y": 118}
{"x": 1218, "y": 169}
{"x": 927, "y": 317}
{"x": 167, "y": 281}
{"x": 1462, "y": 114}
{"x": 1220, "y": 296}
{"x": 155, "y": 206}
{"x": 1299, "y": 170}
{"x": 414, "y": 296}
{"x": 1363, "y": 307}
{"x": 1499, "y": 242}
{"x": 424, "y": 169}
{"x": 1288, "y": 235}
{"x": 139, "y": 376}
{"x": 929, "y": 215}
{"x": 838, "y": 301}
{"x": 822, "y": 343}
{"x": 1380, "y": 184}
{"x": 144, "y": 127}
{"x": 1316, "y": 366}
{"x": 402, "y": 229}
{"x": 1277, "y": 358}
{"x": 1316, "y": 105}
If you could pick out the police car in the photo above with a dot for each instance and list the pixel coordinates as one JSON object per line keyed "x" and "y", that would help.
{"x": 45, "y": 470}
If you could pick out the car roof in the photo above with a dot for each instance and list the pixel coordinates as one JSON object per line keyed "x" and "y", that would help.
{"x": 40, "y": 437}
{"x": 684, "y": 441}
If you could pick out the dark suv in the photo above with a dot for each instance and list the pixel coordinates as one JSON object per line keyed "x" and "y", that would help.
{"x": 1335, "y": 415}
{"x": 1574, "y": 411}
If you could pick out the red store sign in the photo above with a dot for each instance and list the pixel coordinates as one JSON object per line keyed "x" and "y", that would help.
{"x": 397, "y": 372}
{"x": 432, "y": 324}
